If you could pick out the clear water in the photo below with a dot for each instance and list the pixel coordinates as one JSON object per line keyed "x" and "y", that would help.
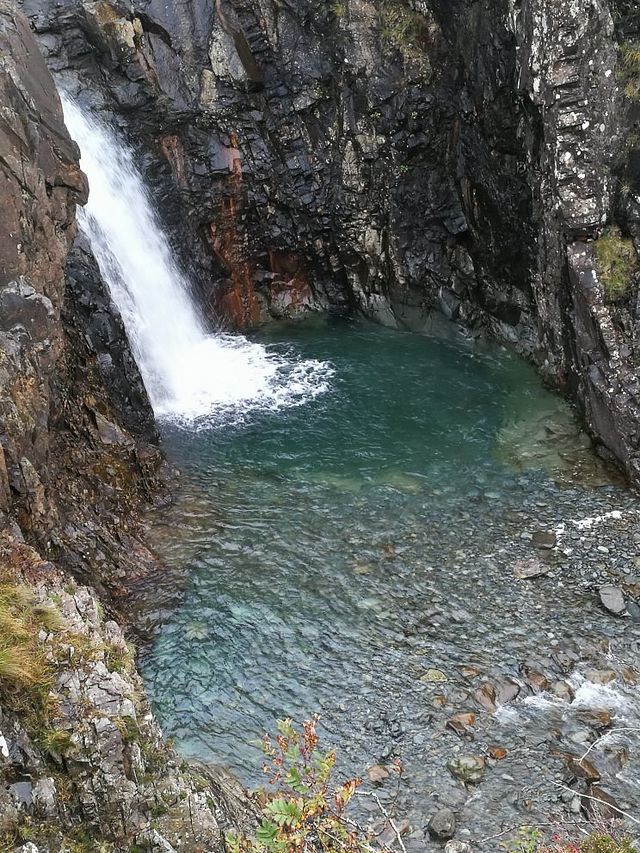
{"x": 332, "y": 554}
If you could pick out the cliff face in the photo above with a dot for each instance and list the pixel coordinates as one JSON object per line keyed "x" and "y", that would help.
{"x": 77, "y": 437}
{"x": 82, "y": 760}
{"x": 394, "y": 158}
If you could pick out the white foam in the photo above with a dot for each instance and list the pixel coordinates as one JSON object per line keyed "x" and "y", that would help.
{"x": 189, "y": 373}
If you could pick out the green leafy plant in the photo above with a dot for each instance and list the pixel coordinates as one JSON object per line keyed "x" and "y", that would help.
{"x": 302, "y": 810}
{"x": 527, "y": 840}
{"x": 617, "y": 262}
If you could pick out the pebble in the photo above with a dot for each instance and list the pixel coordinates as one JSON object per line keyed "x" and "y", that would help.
{"x": 544, "y": 539}
{"x": 377, "y": 773}
{"x": 467, "y": 768}
{"x": 442, "y": 825}
{"x": 457, "y": 847}
{"x": 633, "y": 610}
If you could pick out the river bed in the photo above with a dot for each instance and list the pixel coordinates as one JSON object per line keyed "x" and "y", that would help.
{"x": 424, "y": 538}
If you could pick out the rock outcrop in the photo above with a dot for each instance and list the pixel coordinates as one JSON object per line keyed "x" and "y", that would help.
{"x": 394, "y": 158}
{"x": 82, "y": 761}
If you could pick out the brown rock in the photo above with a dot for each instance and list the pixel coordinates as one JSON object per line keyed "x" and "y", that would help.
{"x": 498, "y": 753}
{"x": 485, "y": 696}
{"x": 534, "y": 678}
{"x": 582, "y": 768}
{"x": 599, "y": 806}
{"x": 377, "y": 773}
{"x": 597, "y": 719}
{"x": 462, "y": 723}
{"x": 562, "y": 690}
{"x": 530, "y": 567}
{"x": 544, "y": 539}
{"x": 600, "y": 676}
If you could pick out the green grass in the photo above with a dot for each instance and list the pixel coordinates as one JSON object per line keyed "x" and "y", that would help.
{"x": 405, "y": 30}
{"x": 617, "y": 262}
{"x": 629, "y": 69}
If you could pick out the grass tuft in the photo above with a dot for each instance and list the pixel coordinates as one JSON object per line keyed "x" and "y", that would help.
{"x": 405, "y": 30}
{"x": 617, "y": 263}
{"x": 629, "y": 69}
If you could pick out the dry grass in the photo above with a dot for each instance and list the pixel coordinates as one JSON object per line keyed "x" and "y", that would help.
{"x": 25, "y": 674}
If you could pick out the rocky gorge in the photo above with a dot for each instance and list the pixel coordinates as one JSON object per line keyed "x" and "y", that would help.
{"x": 399, "y": 160}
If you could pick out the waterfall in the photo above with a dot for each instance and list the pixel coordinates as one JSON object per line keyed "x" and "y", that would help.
{"x": 191, "y": 375}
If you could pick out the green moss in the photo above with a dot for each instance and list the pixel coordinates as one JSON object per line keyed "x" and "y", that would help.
{"x": 629, "y": 69}
{"x": 617, "y": 262}
{"x": 405, "y": 30}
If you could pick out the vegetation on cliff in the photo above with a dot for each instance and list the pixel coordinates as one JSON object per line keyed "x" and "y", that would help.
{"x": 617, "y": 262}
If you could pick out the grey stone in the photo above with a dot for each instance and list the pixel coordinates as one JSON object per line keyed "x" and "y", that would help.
{"x": 442, "y": 825}
{"x": 467, "y": 768}
{"x": 612, "y": 599}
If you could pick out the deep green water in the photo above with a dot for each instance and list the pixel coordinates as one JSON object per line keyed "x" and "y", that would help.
{"x": 336, "y": 551}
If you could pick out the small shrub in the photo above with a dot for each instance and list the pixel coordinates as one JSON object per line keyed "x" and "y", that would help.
{"x": 527, "y": 840}
{"x": 303, "y": 811}
{"x": 629, "y": 69}
{"x": 617, "y": 262}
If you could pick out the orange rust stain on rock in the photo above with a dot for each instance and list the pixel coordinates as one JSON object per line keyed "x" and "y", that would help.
{"x": 239, "y": 302}
{"x": 171, "y": 147}
{"x": 292, "y": 277}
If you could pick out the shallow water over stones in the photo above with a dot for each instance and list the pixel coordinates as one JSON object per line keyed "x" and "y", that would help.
{"x": 408, "y": 556}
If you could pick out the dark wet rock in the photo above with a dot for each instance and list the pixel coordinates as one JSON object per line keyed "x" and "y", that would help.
{"x": 78, "y": 456}
{"x": 544, "y": 539}
{"x": 442, "y": 825}
{"x": 612, "y": 598}
{"x": 471, "y": 177}
{"x": 467, "y": 768}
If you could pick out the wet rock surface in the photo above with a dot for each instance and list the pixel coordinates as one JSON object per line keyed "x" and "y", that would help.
{"x": 312, "y": 157}
{"x": 81, "y": 756}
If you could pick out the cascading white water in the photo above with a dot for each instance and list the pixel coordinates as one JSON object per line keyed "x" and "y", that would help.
{"x": 190, "y": 374}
